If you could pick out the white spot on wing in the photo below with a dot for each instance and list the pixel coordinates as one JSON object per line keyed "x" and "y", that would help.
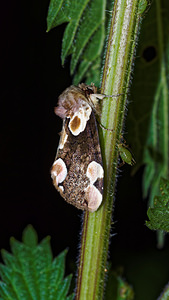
{"x": 93, "y": 197}
{"x": 58, "y": 171}
{"x": 92, "y": 194}
{"x": 94, "y": 171}
{"x": 61, "y": 188}
{"x": 83, "y": 115}
{"x": 63, "y": 140}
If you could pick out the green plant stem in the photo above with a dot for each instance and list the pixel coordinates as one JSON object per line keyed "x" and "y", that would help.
{"x": 116, "y": 75}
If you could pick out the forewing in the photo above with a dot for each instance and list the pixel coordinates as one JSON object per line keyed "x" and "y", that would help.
{"x": 77, "y": 171}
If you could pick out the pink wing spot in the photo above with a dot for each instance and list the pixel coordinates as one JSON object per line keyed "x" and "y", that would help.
{"x": 93, "y": 197}
{"x": 94, "y": 171}
{"x": 58, "y": 171}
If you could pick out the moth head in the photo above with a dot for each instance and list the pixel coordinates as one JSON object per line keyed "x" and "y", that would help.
{"x": 92, "y": 97}
{"x": 60, "y": 111}
{"x": 69, "y": 102}
{"x": 88, "y": 89}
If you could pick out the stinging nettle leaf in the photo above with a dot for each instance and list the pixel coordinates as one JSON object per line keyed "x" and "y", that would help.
{"x": 84, "y": 34}
{"x": 159, "y": 214}
{"x": 53, "y": 18}
{"x": 148, "y": 120}
{"x": 30, "y": 273}
{"x": 90, "y": 26}
{"x": 30, "y": 237}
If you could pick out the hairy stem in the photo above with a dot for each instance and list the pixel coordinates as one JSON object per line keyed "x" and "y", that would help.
{"x": 115, "y": 80}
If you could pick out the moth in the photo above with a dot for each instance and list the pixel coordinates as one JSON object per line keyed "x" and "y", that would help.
{"x": 77, "y": 171}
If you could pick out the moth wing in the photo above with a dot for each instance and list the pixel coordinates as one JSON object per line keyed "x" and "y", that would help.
{"x": 77, "y": 171}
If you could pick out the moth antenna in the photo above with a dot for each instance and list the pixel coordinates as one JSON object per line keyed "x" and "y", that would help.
{"x": 112, "y": 96}
{"x": 103, "y": 127}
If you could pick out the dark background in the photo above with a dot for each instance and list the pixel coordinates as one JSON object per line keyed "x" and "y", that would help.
{"x": 31, "y": 80}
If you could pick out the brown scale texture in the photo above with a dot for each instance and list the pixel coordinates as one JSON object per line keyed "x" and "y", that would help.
{"x": 77, "y": 153}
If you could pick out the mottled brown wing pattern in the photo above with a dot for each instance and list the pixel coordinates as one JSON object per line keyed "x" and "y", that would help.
{"x": 77, "y": 171}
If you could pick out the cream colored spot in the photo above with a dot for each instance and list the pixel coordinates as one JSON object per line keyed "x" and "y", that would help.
{"x": 94, "y": 171}
{"x": 92, "y": 194}
{"x": 61, "y": 188}
{"x": 63, "y": 139}
{"x": 79, "y": 120}
{"x": 58, "y": 172}
{"x": 93, "y": 197}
